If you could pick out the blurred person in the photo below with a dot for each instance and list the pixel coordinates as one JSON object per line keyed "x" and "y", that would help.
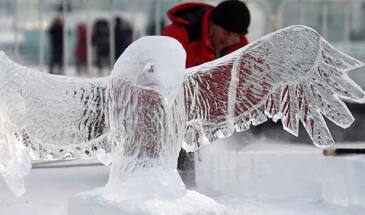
{"x": 56, "y": 46}
{"x": 123, "y": 35}
{"x": 206, "y": 33}
{"x": 151, "y": 27}
{"x": 81, "y": 48}
{"x": 100, "y": 41}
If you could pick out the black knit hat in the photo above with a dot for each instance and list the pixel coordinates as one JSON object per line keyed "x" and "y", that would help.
{"x": 232, "y": 15}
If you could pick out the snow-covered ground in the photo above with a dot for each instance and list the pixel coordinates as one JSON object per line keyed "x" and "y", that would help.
{"x": 248, "y": 176}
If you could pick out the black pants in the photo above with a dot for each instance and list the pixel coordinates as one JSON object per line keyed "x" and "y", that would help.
{"x": 56, "y": 62}
{"x": 186, "y": 168}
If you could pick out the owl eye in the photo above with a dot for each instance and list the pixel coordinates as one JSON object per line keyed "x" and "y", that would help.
{"x": 151, "y": 69}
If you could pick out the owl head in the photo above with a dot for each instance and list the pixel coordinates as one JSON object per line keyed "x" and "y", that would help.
{"x": 153, "y": 62}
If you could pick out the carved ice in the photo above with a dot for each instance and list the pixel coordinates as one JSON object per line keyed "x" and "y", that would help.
{"x": 150, "y": 106}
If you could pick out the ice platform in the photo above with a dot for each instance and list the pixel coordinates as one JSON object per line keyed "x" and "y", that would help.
{"x": 93, "y": 203}
{"x": 267, "y": 171}
{"x": 263, "y": 177}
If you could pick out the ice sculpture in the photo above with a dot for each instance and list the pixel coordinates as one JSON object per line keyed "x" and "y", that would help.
{"x": 151, "y": 105}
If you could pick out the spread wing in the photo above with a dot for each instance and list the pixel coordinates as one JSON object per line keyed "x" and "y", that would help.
{"x": 292, "y": 74}
{"x": 50, "y": 115}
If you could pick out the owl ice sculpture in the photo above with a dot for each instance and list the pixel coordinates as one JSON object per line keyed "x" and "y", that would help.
{"x": 151, "y": 106}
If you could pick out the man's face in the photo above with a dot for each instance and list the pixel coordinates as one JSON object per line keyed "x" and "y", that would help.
{"x": 222, "y": 38}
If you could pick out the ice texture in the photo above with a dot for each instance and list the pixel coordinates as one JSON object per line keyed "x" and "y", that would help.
{"x": 150, "y": 106}
{"x": 292, "y": 74}
{"x": 193, "y": 203}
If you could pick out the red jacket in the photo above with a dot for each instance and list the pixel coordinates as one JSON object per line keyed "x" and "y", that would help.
{"x": 190, "y": 26}
{"x": 80, "y": 52}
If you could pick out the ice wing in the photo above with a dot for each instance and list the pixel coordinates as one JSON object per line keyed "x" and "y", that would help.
{"x": 292, "y": 74}
{"x": 50, "y": 115}
{"x": 52, "y": 112}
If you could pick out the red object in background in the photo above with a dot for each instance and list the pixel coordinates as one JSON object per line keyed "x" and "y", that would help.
{"x": 190, "y": 26}
{"x": 81, "y": 46}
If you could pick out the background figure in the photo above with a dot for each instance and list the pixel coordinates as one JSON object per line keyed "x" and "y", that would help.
{"x": 100, "y": 41}
{"x": 151, "y": 28}
{"x": 206, "y": 33}
{"x": 81, "y": 49}
{"x": 56, "y": 46}
{"x": 123, "y": 36}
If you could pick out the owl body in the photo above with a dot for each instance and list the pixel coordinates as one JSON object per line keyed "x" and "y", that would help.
{"x": 150, "y": 132}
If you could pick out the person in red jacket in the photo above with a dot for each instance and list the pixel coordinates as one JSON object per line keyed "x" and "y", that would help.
{"x": 206, "y": 33}
{"x": 80, "y": 50}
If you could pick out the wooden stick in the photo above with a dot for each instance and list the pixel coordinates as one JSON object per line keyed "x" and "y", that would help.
{"x": 343, "y": 151}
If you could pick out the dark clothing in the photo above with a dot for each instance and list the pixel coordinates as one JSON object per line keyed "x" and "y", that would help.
{"x": 123, "y": 37}
{"x": 232, "y": 15}
{"x": 186, "y": 168}
{"x": 56, "y": 47}
{"x": 190, "y": 26}
{"x": 81, "y": 49}
{"x": 100, "y": 40}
